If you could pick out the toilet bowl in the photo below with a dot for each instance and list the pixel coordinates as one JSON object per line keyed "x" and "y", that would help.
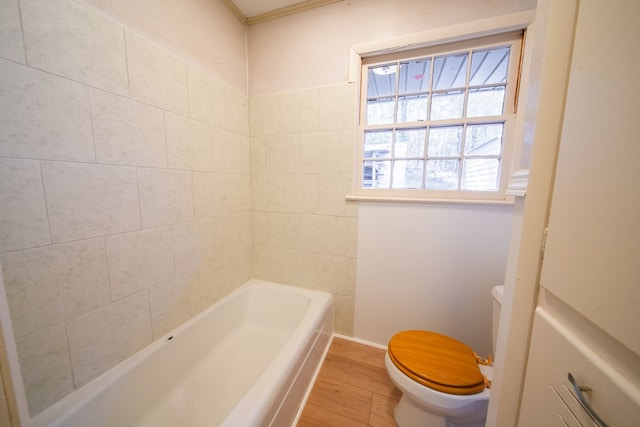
{"x": 438, "y": 377}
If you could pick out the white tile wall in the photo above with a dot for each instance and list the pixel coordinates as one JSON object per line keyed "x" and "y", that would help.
{"x": 304, "y": 232}
{"x": 128, "y": 178}
{"x": 47, "y": 285}
{"x": 67, "y": 38}
{"x": 46, "y": 366}
{"x": 166, "y": 196}
{"x": 127, "y": 132}
{"x": 139, "y": 260}
{"x": 189, "y": 143}
{"x": 109, "y": 146}
{"x": 206, "y": 97}
{"x": 44, "y": 116}
{"x": 173, "y": 302}
{"x": 155, "y": 76}
{"x": 23, "y": 216}
{"x": 88, "y": 200}
{"x": 11, "y": 46}
{"x": 101, "y": 338}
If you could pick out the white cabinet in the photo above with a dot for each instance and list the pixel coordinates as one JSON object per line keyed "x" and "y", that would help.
{"x": 588, "y": 318}
{"x": 592, "y": 255}
{"x": 549, "y": 398}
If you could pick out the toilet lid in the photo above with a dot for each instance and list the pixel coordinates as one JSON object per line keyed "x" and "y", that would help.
{"x": 436, "y": 361}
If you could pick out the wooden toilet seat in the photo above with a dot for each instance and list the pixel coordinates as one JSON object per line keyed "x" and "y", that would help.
{"x": 436, "y": 361}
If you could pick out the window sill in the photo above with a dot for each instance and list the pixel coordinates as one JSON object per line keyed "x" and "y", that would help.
{"x": 509, "y": 201}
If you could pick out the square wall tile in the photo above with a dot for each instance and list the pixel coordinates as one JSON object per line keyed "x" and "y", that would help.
{"x": 156, "y": 77}
{"x": 11, "y": 46}
{"x": 347, "y": 237}
{"x": 188, "y": 252}
{"x": 268, "y": 263}
{"x": 346, "y": 151}
{"x": 259, "y": 228}
{"x": 87, "y": 200}
{"x": 219, "y": 194}
{"x": 267, "y": 193}
{"x": 300, "y": 269}
{"x": 46, "y": 368}
{"x": 138, "y": 260}
{"x": 319, "y": 153}
{"x": 283, "y": 230}
{"x": 231, "y": 152}
{"x": 215, "y": 282}
{"x": 266, "y": 115}
{"x": 235, "y": 111}
{"x": 104, "y": 337}
{"x": 343, "y": 314}
{"x": 258, "y": 155}
{"x": 332, "y": 190}
{"x": 127, "y": 132}
{"x": 48, "y": 285}
{"x": 300, "y": 193}
{"x": 166, "y": 196}
{"x": 208, "y": 242}
{"x": 301, "y": 111}
{"x": 174, "y": 302}
{"x": 43, "y": 116}
{"x": 189, "y": 143}
{"x": 206, "y": 97}
{"x": 23, "y": 216}
{"x": 336, "y": 275}
{"x": 318, "y": 234}
{"x": 68, "y": 38}
{"x": 338, "y": 107}
{"x": 283, "y": 154}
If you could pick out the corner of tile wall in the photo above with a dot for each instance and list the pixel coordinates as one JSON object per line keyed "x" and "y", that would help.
{"x": 305, "y": 232}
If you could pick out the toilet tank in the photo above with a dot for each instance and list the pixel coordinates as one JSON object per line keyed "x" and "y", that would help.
{"x": 497, "y": 293}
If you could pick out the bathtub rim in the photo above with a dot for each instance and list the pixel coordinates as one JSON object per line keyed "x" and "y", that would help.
{"x": 71, "y": 404}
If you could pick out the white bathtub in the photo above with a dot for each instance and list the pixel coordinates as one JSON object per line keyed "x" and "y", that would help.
{"x": 245, "y": 361}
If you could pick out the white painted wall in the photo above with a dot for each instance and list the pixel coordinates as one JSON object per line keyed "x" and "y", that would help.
{"x": 311, "y": 49}
{"x": 430, "y": 267}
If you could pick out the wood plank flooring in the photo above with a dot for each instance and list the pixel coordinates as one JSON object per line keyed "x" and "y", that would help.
{"x": 353, "y": 389}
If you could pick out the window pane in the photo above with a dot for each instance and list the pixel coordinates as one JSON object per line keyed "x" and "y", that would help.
{"x": 382, "y": 81}
{"x": 407, "y": 173}
{"x": 447, "y": 105}
{"x": 489, "y": 66}
{"x": 412, "y": 108}
{"x": 485, "y": 102}
{"x": 375, "y": 174}
{"x": 483, "y": 139}
{"x": 450, "y": 71}
{"x": 377, "y": 143}
{"x": 410, "y": 143}
{"x": 414, "y": 76}
{"x": 445, "y": 141}
{"x": 442, "y": 175}
{"x": 380, "y": 111}
{"x": 480, "y": 174}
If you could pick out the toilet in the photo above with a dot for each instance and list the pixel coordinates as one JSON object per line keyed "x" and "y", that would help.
{"x": 441, "y": 382}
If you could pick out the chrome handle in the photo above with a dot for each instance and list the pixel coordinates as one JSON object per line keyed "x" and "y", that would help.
{"x": 587, "y": 407}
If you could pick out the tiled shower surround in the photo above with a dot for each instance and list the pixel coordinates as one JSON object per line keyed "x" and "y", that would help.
{"x": 135, "y": 193}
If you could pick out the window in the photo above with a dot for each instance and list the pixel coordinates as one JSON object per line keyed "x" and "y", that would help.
{"x": 438, "y": 122}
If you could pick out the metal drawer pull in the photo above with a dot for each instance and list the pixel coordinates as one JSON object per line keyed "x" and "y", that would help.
{"x": 587, "y": 407}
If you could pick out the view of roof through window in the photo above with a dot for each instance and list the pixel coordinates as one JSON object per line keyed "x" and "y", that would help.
{"x": 435, "y": 122}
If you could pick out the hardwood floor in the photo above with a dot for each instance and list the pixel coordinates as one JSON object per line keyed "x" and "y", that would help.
{"x": 352, "y": 389}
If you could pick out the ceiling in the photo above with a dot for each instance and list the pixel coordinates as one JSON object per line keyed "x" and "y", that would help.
{"x": 254, "y": 11}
